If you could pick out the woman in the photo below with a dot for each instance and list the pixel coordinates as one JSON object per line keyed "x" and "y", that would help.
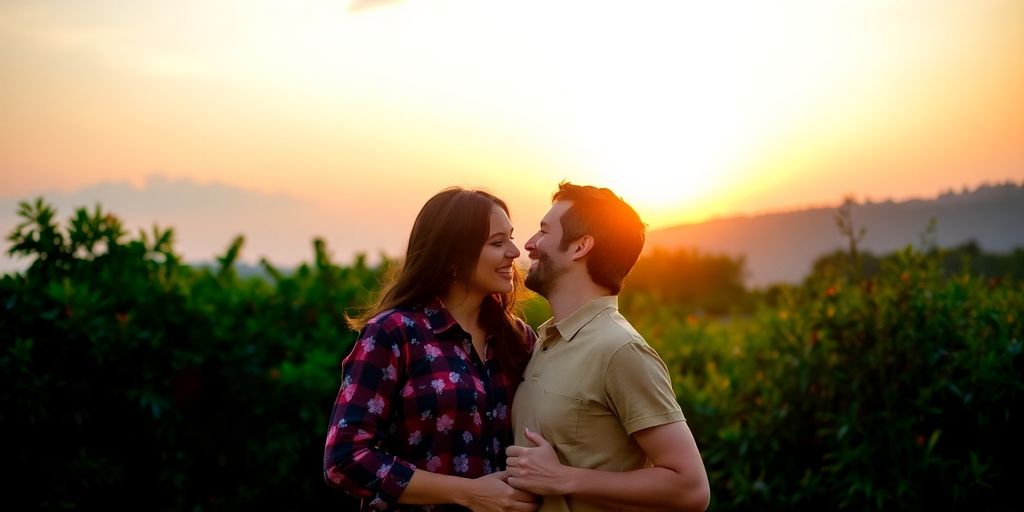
{"x": 422, "y": 416}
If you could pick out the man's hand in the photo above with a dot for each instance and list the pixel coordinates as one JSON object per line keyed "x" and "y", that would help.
{"x": 492, "y": 493}
{"x": 537, "y": 470}
{"x": 675, "y": 481}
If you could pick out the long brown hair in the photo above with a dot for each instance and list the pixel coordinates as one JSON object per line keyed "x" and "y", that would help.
{"x": 444, "y": 247}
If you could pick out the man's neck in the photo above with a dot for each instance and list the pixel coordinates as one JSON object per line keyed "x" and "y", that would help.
{"x": 572, "y": 295}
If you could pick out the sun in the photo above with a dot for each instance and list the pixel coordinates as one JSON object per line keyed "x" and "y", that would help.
{"x": 665, "y": 154}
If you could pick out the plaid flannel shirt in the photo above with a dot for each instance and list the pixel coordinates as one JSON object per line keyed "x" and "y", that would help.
{"x": 416, "y": 395}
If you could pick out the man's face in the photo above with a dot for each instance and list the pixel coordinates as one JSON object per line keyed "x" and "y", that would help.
{"x": 548, "y": 263}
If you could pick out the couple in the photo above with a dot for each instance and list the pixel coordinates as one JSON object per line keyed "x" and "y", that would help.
{"x": 425, "y": 417}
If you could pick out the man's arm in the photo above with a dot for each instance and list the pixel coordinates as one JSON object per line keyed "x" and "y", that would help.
{"x": 677, "y": 481}
{"x": 484, "y": 494}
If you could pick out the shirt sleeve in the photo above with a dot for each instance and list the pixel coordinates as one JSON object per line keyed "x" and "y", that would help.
{"x": 639, "y": 388}
{"x": 354, "y": 457}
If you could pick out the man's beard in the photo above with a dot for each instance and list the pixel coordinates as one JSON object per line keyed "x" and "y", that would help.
{"x": 542, "y": 277}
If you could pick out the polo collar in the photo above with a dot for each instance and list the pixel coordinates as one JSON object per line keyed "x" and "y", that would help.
{"x": 571, "y": 325}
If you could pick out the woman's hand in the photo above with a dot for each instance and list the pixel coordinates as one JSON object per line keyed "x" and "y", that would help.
{"x": 492, "y": 493}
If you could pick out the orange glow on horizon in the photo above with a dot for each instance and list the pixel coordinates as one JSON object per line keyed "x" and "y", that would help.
{"x": 689, "y": 111}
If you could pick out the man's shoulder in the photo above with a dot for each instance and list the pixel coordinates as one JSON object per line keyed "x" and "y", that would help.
{"x": 611, "y": 330}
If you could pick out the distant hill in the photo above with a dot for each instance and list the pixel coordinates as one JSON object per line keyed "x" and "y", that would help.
{"x": 781, "y": 247}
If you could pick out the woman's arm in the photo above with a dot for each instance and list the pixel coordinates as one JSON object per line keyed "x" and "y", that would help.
{"x": 353, "y": 461}
{"x": 485, "y": 494}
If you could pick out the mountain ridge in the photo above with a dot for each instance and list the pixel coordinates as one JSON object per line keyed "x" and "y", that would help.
{"x": 781, "y": 246}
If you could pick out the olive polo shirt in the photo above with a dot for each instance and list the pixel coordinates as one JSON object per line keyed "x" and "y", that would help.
{"x": 592, "y": 382}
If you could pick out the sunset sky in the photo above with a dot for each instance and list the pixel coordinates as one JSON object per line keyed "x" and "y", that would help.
{"x": 286, "y": 120}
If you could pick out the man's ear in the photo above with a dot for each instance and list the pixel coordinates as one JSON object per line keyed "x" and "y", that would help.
{"x": 582, "y": 246}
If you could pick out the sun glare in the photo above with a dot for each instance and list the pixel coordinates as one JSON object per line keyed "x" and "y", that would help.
{"x": 686, "y": 109}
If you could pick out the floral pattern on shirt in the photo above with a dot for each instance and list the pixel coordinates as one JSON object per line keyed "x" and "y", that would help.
{"x": 411, "y": 396}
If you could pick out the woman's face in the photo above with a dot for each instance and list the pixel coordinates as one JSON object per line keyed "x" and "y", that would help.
{"x": 494, "y": 270}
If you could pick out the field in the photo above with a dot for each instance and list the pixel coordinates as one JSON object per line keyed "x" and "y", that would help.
{"x": 880, "y": 382}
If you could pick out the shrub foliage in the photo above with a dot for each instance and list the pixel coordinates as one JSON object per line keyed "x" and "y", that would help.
{"x": 128, "y": 377}
{"x": 902, "y": 391}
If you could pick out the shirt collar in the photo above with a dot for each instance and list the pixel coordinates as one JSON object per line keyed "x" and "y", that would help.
{"x": 572, "y": 324}
{"x": 439, "y": 318}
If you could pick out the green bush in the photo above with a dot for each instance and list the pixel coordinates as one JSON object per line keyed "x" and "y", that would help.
{"x": 690, "y": 280}
{"x": 902, "y": 391}
{"x": 128, "y": 377}
{"x": 967, "y": 257}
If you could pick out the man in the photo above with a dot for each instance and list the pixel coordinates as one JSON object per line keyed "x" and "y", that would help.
{"x": 596, "y": 422}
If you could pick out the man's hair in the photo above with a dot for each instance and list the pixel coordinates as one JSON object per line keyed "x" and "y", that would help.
{"x": 616, "y": 228}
